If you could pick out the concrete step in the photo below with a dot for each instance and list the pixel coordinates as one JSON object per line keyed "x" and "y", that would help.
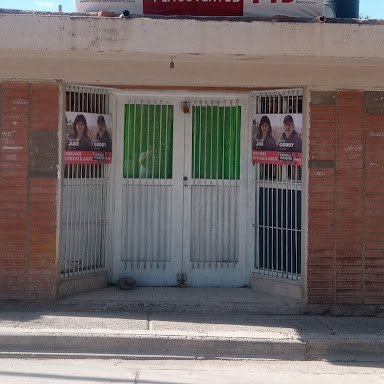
{"x": 201, "y": 300}
{"x": 189, "y": 335}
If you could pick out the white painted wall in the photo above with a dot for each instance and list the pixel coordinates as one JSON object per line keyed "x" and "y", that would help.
{"x": 137, "y": 51}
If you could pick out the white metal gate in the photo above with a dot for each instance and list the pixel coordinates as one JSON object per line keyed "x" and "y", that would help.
{"x": 84, "y": 197}
{"x": 277, "y": 201}
{"x": 178, "y": 192}
{"x": 180, "y": 178}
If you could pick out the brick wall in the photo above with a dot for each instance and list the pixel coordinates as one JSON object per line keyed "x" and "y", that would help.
{"x": 346, "y": 198}
{"x": 28, "y": 189}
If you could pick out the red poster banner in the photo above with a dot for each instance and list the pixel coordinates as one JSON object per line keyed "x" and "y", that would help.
{"x": 273, "y": 157}
{"x": 193, "y": 7}
{"x": 87, "y": 157}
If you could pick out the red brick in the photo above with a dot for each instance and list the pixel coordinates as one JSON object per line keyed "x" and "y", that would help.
{"x": 15, "y": 198}
{"x": 14, "y": 86}
{"x": 349, "y": 231}
{"x": 11, "y": 182}
{"x": 371, "y": 118}
{"x": 322, "y": 108}
{"x": 350, "y": 98}
{"x": 350, "y": 109}
{"x": 348, "y": 260}
{"x": 18, "y": 214}
{"x": 375, "y": 286}
{"x": 374, "y": 256}
{"x": 321, "y": 228}
{"x": 346, "y": 133}
{"x": 315, "y": 254}
{"x": 42, "y": 294}
{"x": 14, "y": 157}
{"x": 351, "y": 165}
{"x": 319, "y": 176}
{"x": 13, "y": 165}
{"x": 11, "y": 189}
{"x": 374, "y": 157}
{"x": 320, "y": 238}
{"x": 316, "y": 131}
{"x": 321, "y": 154}
{"x": 349, "y": 237}
{"x": 323, "y": 285}
{"x": 349, "y": 204}
{"x": 319, "y": 276}
{"x": 374, "y": 244}
{"x": 348, "y": 276}
{"x": 372, "y": 269}
{"x": 48, "y": 197}
{"x": 10, "y": 174}
{"x": 348, "y": 195}
{"x": 348, "y": 252}
{"x": 320, "y": 300}
{"x": 13, "y": 108}
{"x": 43, "y": 189}
{"x": 321, "y": 187}
{"x": 40, "y": 262}
{"x": 14, "y": 141}
{"x": 320, "y": 265}
{"x": 374, "y": 202}
{"x": 373, "y": 143}
{"x": 12, "y": 263}
{"x": 377, "y": 186}
{"x": 342, "y": 188}
{"x": 320, "y": 292}
{"x": 374, "y": 300}
{"x": 345, "y": 128}
{"x": 45, "y": 106}
{"x": 322, "y": 116}
{"x": 346, "y": 285}
{"x": 323, "y": 126}
{"x": 348, "y": 300}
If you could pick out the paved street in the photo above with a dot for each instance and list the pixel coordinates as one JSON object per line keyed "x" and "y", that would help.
{"x": 40, "y": 371}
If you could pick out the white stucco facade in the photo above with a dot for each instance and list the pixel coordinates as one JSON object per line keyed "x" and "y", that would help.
{"x": 206, "y": 53}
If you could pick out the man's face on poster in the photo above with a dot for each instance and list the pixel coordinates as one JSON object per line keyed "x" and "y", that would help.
{"x": 289, "y": 127}
{"x": 101, "y": 128}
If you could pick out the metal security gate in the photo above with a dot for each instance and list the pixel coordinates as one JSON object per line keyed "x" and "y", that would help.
{"x": 84, "y": 197}
{"x": 278, "y": 197}
{"x": 178, "y": 177}
{"x": 146, "y": 187}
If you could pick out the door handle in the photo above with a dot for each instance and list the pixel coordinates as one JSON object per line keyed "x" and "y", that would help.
{"x": 185, "y": 181}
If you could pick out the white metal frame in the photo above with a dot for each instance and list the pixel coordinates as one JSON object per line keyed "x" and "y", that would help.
{"x": 234, "y": 274}
{"x": 85, "y": 206}
{"x": 282, "y": 183}
{"x": 211, "y": 273}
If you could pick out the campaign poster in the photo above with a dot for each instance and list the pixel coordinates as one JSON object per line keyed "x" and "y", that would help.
{"x": 88, "y": 138}
{"x": 276, "y": 139}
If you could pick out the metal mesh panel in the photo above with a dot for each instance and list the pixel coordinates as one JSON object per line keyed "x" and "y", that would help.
{"x": 84, "y": 197}
{"x": 147, "y": 186}
{"x": 215, "y": 183}
{"x": 278, "y": 200}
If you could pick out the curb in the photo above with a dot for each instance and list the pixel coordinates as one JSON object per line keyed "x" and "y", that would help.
{"x": 150, "y": 345}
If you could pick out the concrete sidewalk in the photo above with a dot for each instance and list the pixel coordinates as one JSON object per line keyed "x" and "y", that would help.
{"x": 73, "y": 327}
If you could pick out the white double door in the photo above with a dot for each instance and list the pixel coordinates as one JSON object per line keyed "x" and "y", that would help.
{"x": 180, "y": 189}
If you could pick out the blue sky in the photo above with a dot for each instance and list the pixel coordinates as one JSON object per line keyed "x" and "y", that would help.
{"x": 372, "y": 8}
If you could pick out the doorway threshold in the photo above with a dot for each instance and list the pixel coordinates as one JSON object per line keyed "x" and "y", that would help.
{"x": 172, "y": 299}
